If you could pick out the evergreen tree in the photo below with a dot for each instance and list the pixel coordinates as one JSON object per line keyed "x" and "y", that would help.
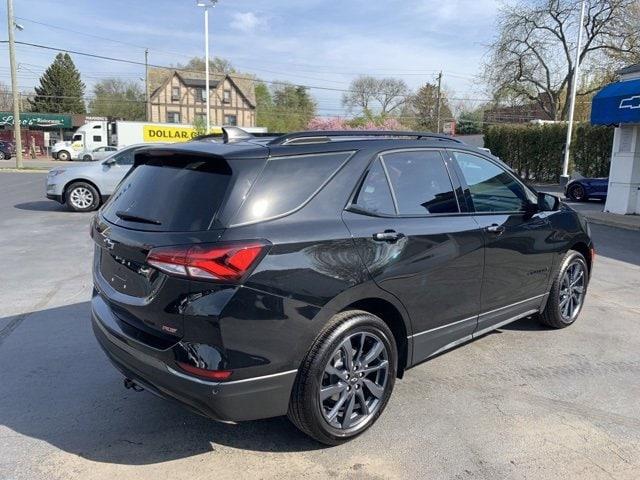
{"x": 61, "y": 90}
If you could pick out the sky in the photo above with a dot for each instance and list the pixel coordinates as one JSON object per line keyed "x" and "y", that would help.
{"x": 323, "y": 44}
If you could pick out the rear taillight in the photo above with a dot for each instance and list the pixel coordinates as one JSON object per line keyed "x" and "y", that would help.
{"x": 208, "y": 261}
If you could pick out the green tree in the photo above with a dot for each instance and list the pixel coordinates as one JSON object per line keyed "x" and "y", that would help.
{"x": 422, "y": 108}
{"x": 61, "y": 90}
{"x": 470, "y": 122}
{"x": 284, "y": 108}
{"x": 118, "y": 99}
{"x": 264, "y": 104}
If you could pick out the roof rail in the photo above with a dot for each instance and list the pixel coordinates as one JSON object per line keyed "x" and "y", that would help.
{"x": 298, "y": 138}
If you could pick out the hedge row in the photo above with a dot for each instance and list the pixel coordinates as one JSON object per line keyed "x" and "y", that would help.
{"x": 536, "y": 151}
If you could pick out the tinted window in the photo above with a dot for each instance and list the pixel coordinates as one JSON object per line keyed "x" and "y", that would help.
{"x": 173, "y": 194}
{"x": 420, "y": 182}
{"x": 492, "y": 188}
{"x": 374, "y": 194}
{"x": 286, "y": 183}
{"x": 125, "y": 157}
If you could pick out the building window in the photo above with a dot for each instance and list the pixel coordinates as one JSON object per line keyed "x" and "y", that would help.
{"x": 231, "y": 120}
{"x": 226, "y": 96}
{"x": 201, "y": 96}
{"x": 173, "y": 117}
{"x": 200, "y": 117}
{"x": 175, "y": 94}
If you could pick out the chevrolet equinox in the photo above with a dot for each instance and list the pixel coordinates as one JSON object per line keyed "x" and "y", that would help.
{"x": 302, "y": 275}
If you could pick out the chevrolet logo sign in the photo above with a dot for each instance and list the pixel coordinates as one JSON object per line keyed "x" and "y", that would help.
{"x": 631, "y": 103}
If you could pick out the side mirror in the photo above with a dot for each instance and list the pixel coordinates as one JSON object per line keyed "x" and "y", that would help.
{"x": 548, "y": 202}
{"x": 109, "y": 162}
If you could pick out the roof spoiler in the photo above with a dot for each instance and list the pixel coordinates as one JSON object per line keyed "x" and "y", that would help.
{"x": 229, "y": 135}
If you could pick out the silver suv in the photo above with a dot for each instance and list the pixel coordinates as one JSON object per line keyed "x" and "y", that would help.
{"x": 83, "y": 188}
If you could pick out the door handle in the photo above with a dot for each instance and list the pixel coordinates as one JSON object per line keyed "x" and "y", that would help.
{"x": 388, "y": 236}
{"x": 495, "y": 228}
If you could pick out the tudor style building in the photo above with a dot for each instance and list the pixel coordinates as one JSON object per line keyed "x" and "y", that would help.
{"x": 181, "y": 98}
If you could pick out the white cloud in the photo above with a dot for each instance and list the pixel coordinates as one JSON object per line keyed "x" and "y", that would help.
{"x": 246, "y": 21}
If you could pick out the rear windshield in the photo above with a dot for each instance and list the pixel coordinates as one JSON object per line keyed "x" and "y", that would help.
{"x": 172, "y": 195}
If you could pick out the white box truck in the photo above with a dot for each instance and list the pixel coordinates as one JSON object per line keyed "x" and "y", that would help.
{"x": 95, "y": 134}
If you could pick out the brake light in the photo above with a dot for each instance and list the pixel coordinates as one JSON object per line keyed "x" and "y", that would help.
{"x": 208, "y": 262}
{"x": 203, "y": 372}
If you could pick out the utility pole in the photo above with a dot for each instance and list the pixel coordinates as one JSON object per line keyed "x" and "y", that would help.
{"x": 439, "y": 101}
{"x": 17, "y": 136}
{"x": 564, "y": 178}
{"x": 146, "y": 83}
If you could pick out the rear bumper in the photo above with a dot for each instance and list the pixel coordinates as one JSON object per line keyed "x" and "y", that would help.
{"x": 247, "y": 399}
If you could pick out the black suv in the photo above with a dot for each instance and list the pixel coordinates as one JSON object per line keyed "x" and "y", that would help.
{"x": 302, "y": 275}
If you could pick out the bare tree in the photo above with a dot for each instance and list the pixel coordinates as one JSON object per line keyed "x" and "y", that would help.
{"x": 6, "y": 98}
{"x": 532, "y": 59}
{"x": 373, "y": 96}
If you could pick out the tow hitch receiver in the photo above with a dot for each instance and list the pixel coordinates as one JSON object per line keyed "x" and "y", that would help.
{"x": 131, "y": 385}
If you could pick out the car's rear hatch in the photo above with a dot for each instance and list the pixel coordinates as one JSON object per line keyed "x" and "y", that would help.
{"x": 172, "y": 196}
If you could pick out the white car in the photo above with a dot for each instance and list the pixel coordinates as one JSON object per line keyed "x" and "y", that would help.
{"x": 96, "y": 154}
{"x": 83, "y": 188}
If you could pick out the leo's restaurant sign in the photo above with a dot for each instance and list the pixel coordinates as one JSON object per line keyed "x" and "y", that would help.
{"x": 41, "y": 120}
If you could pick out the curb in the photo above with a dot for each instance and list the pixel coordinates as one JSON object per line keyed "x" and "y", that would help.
{"x": 613, "y": 223}
{"x": 24, "y": 170}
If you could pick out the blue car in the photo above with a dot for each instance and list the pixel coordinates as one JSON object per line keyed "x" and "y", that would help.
{"x": 582, "y": 189}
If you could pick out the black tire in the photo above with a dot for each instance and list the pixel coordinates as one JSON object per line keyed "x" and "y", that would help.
{"x": 86, "y": 158}
{"x": 63, "y": 155}
{"x": 306, "y": 410}
{"x": 553, "y": 316}
{"x": 2, "y": 155}
{"x": 82, "y": 197}
{"x": 577, "y": 193}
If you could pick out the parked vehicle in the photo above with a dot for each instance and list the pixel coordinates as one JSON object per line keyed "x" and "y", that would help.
{"x": 97, "y": 153}
{"x": 304, "y": 274}
{"x": 7, "y": 150}
{"x": 582, "y": 189}
{"x": 120, "y": 134}
{"x": 84, "y": 188}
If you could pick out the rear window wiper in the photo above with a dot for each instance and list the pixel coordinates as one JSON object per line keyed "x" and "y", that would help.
{"x": 135, "y": 218}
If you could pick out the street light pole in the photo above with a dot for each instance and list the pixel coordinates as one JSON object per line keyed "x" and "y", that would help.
{"x": 564, "y": 178}
{"x": 206, "y": 68}
{"x": 17, "y": 136}
{"x": 206, "y": 4}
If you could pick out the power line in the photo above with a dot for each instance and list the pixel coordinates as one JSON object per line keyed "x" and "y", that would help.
{"x": 241, "y": 77}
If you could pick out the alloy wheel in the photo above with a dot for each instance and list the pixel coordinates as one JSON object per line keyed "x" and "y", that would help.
{"x": 81, "y": 197}
{"x": 354, "y": 381}
{"x": 577, "y": 192}
{"x": 572, "y": 290}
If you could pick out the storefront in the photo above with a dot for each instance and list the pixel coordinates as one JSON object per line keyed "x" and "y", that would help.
{"x": 41, "y": 129}
{"x": 619, "y": 104}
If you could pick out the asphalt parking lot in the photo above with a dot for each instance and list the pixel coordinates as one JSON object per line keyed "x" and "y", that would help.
{"x": 523, "y": 402}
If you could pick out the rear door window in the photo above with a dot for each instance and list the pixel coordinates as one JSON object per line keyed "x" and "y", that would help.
{"x": 181, "y": 194}
{"x": 420, "y": 182}
{"x": 287, "y": 183}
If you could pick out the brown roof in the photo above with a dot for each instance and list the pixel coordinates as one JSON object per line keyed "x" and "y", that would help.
{"x": 197, "y": 79}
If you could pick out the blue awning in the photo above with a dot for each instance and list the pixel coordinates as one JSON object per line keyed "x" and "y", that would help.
{"x": 617, "y": 103}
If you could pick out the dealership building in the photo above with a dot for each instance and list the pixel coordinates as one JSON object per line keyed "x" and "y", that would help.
{"x": 618, "y": 104}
